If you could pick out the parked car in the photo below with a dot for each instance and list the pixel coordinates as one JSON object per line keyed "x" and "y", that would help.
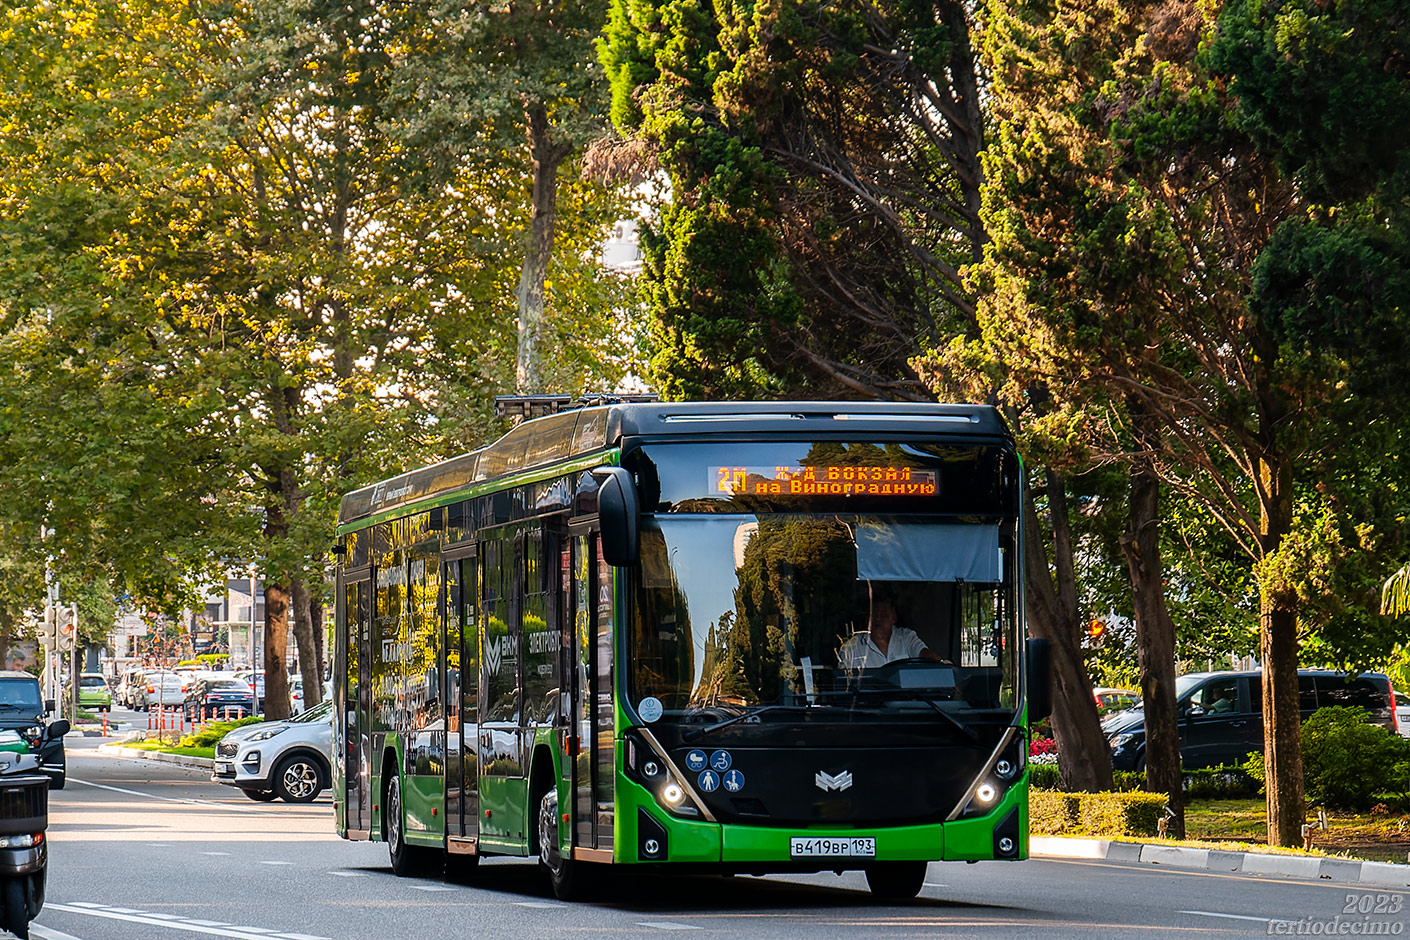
{"x": 163, "y": 688}
{"x": 93, "y": 691}
{"x": 1114, "y": 700}
{"x": 1221, "y": 714}
{"x": 22, "y": 710}
{"x": 290, "y": 760}
{"x": 217, "y": 698}
{"x": 1402, "y": 713}
{"x": 129, "y": 687}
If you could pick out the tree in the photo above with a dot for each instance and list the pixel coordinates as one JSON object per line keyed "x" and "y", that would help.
{"x": 1131, "y": 218}
{"x": 823, "y": 169}
{"x": 242, "y": 260}
{"x": 824, "y": 173}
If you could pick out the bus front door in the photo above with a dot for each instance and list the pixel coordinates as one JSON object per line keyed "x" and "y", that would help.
{"x": 594, "y": 762}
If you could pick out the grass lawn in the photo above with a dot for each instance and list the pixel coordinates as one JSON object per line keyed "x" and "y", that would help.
{"x": 1378, "y": 836}
{"x": 172, "y": 748}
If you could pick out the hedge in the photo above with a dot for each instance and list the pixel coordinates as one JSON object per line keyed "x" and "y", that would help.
{"x": 1118, "y": 815}
{"x": 1213, "y": 783}
{"x": 1105, "y": 815}
{"x": 1051, "y": 812}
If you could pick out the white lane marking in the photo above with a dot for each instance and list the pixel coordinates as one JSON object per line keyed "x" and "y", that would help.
{"x": 666, "y": 925}
{"x": 539, "y": 905}
{"x": 49, "y": 933}
{"x": 431, "y": 888}
{"x": 348, "y": 874}
{"x": 276, "y": 863}
{"x": 239, "y": 807}
{"x": 215, "y": 853}
{"x": 931, "y": 884}
{"x": 236, "y": 931}
{"x": 1261, "y": 920}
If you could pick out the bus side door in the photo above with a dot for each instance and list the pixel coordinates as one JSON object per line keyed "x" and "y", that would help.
{"x": 503, "y": 785}
{"x": 462, "y": 694}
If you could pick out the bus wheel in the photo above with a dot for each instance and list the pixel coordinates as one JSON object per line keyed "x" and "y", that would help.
{"x": 561, "y": 871}
{"x": 896, "y": 881}
{"x": 408, "y": 861}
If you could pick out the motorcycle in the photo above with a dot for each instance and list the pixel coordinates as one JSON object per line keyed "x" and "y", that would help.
{"x": 24, "y": 817}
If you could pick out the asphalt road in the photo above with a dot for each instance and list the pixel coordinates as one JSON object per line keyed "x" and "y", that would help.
{"x": 148, "y": 851}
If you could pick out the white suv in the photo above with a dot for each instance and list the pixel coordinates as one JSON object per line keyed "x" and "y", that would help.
{"x": 291, "y": 760}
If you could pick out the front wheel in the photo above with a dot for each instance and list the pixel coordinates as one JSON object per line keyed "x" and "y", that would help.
{"x": 15, "y": 917}
{"x": 563, "y": 873}
{"x": 296, "y": 780}
{"x": 896, "y": 881}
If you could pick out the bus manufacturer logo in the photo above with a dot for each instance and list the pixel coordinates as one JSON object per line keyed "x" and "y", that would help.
{"x": 827, "y": 781}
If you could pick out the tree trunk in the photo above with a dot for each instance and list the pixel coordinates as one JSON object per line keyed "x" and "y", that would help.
{"x": 1155, "y": 643}
{"x": 303, "y": 634}
{"x": 1277, "y": 643}
{"x": 546, "y": 157}
{"x": 276, "y": 648}
{"x": 1084, "y": 762}
{"x": 315, "y": 619}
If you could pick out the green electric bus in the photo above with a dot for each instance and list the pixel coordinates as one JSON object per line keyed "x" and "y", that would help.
{"x": 732, "y": 637}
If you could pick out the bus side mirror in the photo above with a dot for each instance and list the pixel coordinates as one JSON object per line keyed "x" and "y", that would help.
{"x": 1040, "y": 679}
{"x": 57, "y": 729}
{"x": 48, "y": 705}
{"x": 620, "y": 516}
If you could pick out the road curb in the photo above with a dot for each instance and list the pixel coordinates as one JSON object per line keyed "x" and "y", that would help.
{"x": 1383, "y": 874}
{"x": 185, "y": 760}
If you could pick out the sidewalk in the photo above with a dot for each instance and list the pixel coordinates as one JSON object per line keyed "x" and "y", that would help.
{"x": 117, "y": 750}
{"x": 1383, "y": 874}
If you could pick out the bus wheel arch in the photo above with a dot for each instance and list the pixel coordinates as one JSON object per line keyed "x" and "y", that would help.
{"x": 563, "y": 873}
{"x": 407, "y": 860}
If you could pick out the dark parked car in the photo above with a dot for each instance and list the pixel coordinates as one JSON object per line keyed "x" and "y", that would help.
{"x": 215, "y": 698}
{"x": 1221, "y": 714}
{"x": 23, "y": 710}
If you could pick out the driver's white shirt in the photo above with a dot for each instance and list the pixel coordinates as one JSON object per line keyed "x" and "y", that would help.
{"x": 859, "y": 652}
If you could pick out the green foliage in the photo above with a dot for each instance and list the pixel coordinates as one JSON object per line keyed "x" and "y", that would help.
{"x": 1325, "y": 86}
{"x": 1044, "y": 776}
{"x": 1101, "y": 815}
{"x": 213, "y": 731}
{"x": 1121, "y": 815}
{"x": 1347, "y": 761}
{"x": 1051, "y": 812}
{"x": 1221, "y": 783}
{"x": 822, "y": 161}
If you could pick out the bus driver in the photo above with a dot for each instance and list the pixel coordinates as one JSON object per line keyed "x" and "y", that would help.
{"x": 883, "y": 642}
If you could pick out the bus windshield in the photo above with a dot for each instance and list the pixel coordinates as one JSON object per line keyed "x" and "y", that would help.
{"x": 754, "y": 617}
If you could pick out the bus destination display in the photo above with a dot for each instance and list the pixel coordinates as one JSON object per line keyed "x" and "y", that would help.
{"x": 823, "y": 480}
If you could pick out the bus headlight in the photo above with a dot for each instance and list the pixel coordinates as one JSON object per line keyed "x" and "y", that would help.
{"x": 672, "y": 793}
{"x": 1006, "y": 769}
{"x": 986, "y": 793}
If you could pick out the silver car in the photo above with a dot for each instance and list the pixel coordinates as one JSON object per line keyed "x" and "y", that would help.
{"x": 291, "y": 760}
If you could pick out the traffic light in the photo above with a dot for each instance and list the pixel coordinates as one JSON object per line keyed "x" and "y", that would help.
{"x": 1095, "y": 629}
{"x": 48, "y": 628}
{"x": 67, "y": 628}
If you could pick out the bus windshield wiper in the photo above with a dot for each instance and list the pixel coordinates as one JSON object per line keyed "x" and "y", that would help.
{"x": 960, "y": 725}
{"x": 695, "y": 733}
